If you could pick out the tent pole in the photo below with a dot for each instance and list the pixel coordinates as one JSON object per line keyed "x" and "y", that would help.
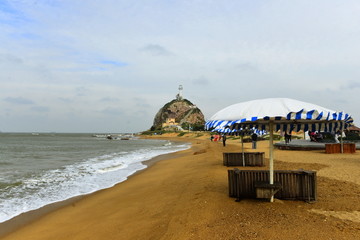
{"x": 242, "y": 146}
{"x": 271, "y": 155}
{"x": 341, "y": 139}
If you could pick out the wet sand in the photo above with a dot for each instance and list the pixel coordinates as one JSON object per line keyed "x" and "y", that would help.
{"x": 185, "y": 196}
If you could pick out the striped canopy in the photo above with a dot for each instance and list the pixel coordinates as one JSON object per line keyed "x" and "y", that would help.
{"x": 224, "y": 130}
{"x": 286, "y": 114}
{"x": 229, "y": 131}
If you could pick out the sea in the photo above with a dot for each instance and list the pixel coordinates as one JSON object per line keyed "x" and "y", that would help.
{"x": 40, "y": 169}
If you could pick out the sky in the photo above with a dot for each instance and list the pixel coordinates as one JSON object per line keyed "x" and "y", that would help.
{"x": 110, "y": 65}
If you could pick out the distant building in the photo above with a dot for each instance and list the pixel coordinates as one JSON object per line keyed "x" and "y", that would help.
{"x": 170, "y": 122}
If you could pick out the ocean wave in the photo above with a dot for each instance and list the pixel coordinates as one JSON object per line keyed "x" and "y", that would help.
{"x": 5, "y": 186}
{"x": 79, "y": 178}
{"x": 6, "y": 163}
{"x": 112, "y": 168}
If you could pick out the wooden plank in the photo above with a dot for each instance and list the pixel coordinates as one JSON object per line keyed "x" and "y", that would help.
{"x": 336, "y": 148}
{"x": 296, "y": 185}
{"x": 236, "y": 158}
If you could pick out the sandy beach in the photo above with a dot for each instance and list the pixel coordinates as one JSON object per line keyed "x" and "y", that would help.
{"x": 184, "y": 195}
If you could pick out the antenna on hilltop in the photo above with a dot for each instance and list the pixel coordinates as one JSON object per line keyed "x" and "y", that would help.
{"x": 179, "y": 95}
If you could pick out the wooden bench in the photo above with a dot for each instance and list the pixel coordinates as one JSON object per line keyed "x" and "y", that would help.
{"x": 250, "y": 159}
{"x": 336, "y": 148}
{"x": 295, "y": 184}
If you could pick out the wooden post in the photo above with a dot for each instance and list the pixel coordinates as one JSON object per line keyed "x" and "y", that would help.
{"x": 242, "y": 146}
{"x": 341, "y": 139}
{"x": 271, "y": 155}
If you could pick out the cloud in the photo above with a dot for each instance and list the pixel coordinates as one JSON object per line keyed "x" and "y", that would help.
{"x": 141, "y": 52}
{"x": 82, "y": 91}
{"x": 40, "y": 109}
{"x": 10, "y": 59}
{"x": 113, "y": 63}
{"x": 202, "y": 81}
{"x": 109, "y": 99}
{"x": 156, "y": 50}
{"x": 246, "y": 67}
{"x": 351, "y": 86}
{"x": 141, "y": 103}
{"x": 18, "y": 100}
{"x": 65, "y": 100}
{"x": 113, "y": 112}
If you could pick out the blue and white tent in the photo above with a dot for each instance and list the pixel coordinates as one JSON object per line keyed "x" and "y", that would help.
{"x": 224, "y": 130}
{"x": 273, "y": 114}
{"x": 233, "y": 131}
{"x": 286, "y": 114}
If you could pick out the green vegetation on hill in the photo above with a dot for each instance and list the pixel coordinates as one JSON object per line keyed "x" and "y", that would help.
{"x": 187, "y": 116}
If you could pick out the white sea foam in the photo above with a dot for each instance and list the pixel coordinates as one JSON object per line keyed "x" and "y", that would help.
{"x": 76, "y": 179}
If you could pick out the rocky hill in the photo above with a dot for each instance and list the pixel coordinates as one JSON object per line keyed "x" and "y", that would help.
{"x": 183, "y": 111}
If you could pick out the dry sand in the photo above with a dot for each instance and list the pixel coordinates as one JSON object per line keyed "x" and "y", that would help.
{"x": 185, "y": 196}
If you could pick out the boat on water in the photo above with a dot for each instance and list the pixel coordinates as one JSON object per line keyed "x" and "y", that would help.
{"x": 126, "y": 137}
{"x": 115, "y": 137}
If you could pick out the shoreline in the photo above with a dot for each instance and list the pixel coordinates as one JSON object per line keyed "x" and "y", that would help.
{"x": 186, "y": 197}
{"x": 27, "y": 217}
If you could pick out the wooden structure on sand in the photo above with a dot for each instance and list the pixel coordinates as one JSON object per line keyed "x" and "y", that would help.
{"x": 290, "y": 185}
{"x": 244, "y": 159}
{"x": 336, "y": 148}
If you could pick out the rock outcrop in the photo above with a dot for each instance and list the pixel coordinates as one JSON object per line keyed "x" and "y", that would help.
{"x": 183, "y": 111}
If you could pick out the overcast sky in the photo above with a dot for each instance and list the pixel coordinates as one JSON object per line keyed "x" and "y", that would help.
{"x": 110, "y": 65}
